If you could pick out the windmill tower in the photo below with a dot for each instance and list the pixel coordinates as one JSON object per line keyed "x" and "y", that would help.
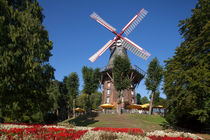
{"x": 119, "y": 46}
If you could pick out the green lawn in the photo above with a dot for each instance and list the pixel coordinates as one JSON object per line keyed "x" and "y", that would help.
{"x": 120, "y": 121}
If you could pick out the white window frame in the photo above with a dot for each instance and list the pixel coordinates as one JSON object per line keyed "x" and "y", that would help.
{"x": 132, "y": 92}
{"x": 132, "y": 101}
{"x": 122, "y": 99}
{"x": 109, "y": 85}
{"x": 108, "y": 91}
{"x": 107, "y": 100}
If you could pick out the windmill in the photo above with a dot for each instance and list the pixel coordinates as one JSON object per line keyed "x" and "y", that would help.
{"x": 119, "y": 46}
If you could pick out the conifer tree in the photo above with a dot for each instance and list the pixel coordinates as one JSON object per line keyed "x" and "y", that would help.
{"x": 25, "y": 51}
{"x": 187, "y": 75}
{"x": 153, "y": 79}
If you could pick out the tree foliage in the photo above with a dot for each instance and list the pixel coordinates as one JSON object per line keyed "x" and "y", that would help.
{"x": 144, "y": 100}
{"x": 25, "y": 51}
{"x": 91, "y": 82}
{"x": 156, "y": 98}
{"x": 95, "y": 100}
{"x": 187, "y": 74}
{"x": 138, "y": 98}
{"x": 154, "y": 75}
{"x": 153, "y": 79}
{"x": 82, "y": 101}
{"x": 72, "y": 85}
{"x": 121, "y": 70}
{"x": 54, "y": 95}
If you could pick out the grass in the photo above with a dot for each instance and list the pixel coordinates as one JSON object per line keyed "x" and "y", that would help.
{"x": 153, "y": 118}
{"x": 145, "y": 122}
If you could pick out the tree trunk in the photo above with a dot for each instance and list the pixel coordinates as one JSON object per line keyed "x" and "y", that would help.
{"x": 68, "y": 111}
{"x": 74, "y": 114}
{"x": 57, "y": 112}
{"x": 119, "y": 104}
{"x": 150, "y": 106}
{"x": 89, "y": 105}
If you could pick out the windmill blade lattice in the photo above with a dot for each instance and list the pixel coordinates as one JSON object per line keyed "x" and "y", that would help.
{"x": 134, "y": 48}
{"x": 134, "y": 22}
{"x": 102, "y": 22}
{"x": 101, "y": 51}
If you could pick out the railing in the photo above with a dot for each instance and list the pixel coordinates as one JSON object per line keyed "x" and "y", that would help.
{"x": 135, "y": 67}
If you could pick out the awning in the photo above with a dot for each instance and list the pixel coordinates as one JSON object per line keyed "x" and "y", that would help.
{"x": 79, "y": 110}
{"x": 106, "y": 106}
{"x": 134, "y": 106}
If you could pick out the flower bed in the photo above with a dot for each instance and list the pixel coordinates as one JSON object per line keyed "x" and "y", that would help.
{"x": 54, "y": 132}
{"x": 169, "y": 138}
{"x": 39, "y": 132}
{"x": 125, "y": 130}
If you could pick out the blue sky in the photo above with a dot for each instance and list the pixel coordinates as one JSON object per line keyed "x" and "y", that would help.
{"x": 76, "y": 36}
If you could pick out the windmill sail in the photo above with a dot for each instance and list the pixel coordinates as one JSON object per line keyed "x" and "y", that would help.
{"x": 102, "y": 22}
{"x": 101, "y": 51}
{"x": 134, "y": 48}
{"x": 134, "y": 22}
{"x": 128, "y": 44}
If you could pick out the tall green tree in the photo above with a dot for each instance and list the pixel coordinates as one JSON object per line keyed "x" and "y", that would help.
{"x": 24, "y": 63}
{"x": 153, "y": 79}
{"x": 144, "y": 100}
{"x": 138, "y": 98}
{"x": 121, "y": 72}
{"x": 187, "y": 74}
{"x": 54, "y": 95}
{"x": 91, "y": 79}
{"x": 63, "y": 100}
{"x": 96, "y": 99}
{"x": 72, "y": 85}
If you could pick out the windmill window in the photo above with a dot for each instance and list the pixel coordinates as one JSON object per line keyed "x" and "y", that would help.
{"x": 109, "y": 85}
{"x": 132, "y": 101}
{"x": 107, "y": 100}
{"x": 108, "y": 91}
{"x": 132, "y": 92}
{"x": 122, "y": 99}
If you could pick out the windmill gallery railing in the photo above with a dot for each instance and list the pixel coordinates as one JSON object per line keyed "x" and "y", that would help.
{"x": 135, "y": 67}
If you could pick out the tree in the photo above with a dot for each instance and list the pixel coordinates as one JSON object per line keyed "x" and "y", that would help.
{"x": 162, "y": 102}
{"x": 63, "y": 101}
{"x": 54, "y": 95}
{"x": 187, "y": 74}
{"x": 96, "y": 99}
{"x": 153, "y": 79}
{"x": 121, "y": 70}
{"x": 25, "y": 51}
{"x": 138, "y": 98}
{"x": 144, "y": 100}
{"x": 72, "y": 85}
{"x": 82, "y": 101}
{"x": 156, "y": 98}
{"x": 91, "y": 82}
